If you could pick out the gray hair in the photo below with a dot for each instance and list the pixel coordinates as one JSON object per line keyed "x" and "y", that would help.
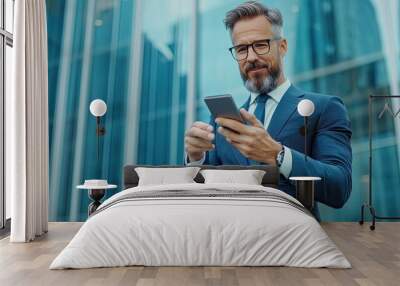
{"x": 251, "y": 9}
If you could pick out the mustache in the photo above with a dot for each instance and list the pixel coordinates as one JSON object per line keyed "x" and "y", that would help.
{"x": 255, "y": 65}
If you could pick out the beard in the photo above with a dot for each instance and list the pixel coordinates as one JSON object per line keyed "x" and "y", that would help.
{"x": 258, "y": 85}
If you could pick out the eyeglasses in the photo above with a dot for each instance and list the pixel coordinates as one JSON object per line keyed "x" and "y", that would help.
{"x": 260, "y": 47}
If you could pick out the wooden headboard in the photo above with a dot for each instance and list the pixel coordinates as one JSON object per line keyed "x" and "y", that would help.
{"x": 270, "y": 179}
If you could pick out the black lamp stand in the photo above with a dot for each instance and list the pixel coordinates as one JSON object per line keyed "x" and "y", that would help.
{"x": 97, "y": 194}
{"x": 305, "y": 136}
{"x": 100, "y": 131}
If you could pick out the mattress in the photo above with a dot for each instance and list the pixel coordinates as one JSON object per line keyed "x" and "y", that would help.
{"x": 201, "y": 225}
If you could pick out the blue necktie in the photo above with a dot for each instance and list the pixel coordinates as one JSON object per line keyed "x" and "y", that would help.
{"x": 259, "y": 113}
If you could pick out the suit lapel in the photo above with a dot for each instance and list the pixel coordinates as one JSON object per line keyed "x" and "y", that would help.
{"x": 285, "y": 109}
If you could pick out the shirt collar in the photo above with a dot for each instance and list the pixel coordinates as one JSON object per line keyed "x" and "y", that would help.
{"x": 275, "y": 94}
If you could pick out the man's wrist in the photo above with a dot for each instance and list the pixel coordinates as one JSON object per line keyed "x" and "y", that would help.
{"x": 195, "y": 157}
{"x": 280, "y": 156}
{"x": 286, "y": 168}
{"x": 193, "y": 163}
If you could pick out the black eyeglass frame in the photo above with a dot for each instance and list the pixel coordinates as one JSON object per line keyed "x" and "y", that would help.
{"x": 268, "y": 41}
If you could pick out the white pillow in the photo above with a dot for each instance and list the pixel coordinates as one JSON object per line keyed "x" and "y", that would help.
{"x": 249, "y": 177}
{"x": 164, "y": 176}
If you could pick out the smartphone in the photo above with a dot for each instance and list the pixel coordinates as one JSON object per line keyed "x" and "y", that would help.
{"x": 223, "y": 106}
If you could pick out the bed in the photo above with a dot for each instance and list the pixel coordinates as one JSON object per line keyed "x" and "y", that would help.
{"x": 197, "y": 224}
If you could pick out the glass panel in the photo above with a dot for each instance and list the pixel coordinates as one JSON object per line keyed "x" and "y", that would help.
{"x": 164, "y": 81}
{"x": 2, "y": 136}
{"x": 1, "y": 14}
{"x": 8, "y": 90}
{"x": 9, "y": 15}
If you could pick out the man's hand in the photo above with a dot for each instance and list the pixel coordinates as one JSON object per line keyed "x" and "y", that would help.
{"x": 198, "y": 139}
{"x": 253, "y": 141}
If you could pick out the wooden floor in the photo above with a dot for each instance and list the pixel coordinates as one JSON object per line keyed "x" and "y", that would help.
{"x": 374, "y": 255}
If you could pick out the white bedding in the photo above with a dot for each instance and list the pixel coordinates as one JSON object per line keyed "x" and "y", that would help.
{"x": 200, "y": 231}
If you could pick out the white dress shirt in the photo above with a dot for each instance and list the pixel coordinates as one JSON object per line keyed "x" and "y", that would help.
{"x": 270, "y": 106}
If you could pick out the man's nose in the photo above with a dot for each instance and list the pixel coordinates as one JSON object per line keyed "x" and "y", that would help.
{"x": 251, "y": 56}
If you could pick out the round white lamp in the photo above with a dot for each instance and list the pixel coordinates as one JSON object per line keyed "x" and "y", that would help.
{"x": 98, "y": 107}
{"x": 305, "y": 107}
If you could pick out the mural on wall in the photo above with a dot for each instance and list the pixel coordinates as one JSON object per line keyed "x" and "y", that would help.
{"x": 137, "y": 57}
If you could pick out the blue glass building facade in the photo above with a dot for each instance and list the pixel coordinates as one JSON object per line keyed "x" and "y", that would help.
{"x": 154, "y": 61}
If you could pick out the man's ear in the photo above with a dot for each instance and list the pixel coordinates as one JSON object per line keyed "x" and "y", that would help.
{"x": 283, "y": 47}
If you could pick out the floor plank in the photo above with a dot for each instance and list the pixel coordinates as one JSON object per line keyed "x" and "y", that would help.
{"x": 374, "y": 255}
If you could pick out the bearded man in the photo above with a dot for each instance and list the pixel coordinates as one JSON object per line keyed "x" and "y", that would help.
{"x": 273, "y": 133}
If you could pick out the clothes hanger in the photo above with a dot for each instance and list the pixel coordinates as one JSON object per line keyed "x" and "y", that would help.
{"x": 397, "y": 113}
{"x": 386, "y": 107}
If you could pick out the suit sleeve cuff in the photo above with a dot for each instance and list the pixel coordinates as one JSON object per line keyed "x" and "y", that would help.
{"x": 199, "y": 162}
{"x": 286, "y": 168}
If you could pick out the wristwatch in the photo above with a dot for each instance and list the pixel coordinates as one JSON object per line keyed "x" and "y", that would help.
{"x": 280, "y": 156}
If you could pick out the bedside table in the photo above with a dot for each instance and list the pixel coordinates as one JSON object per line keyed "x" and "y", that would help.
{"x": 96, "y": 191}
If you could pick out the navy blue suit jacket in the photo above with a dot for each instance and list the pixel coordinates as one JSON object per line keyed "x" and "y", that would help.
{"x": 328, "y": 141}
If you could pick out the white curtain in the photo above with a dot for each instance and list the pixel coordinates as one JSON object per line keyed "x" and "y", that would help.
{"x": 27, "y": 124}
